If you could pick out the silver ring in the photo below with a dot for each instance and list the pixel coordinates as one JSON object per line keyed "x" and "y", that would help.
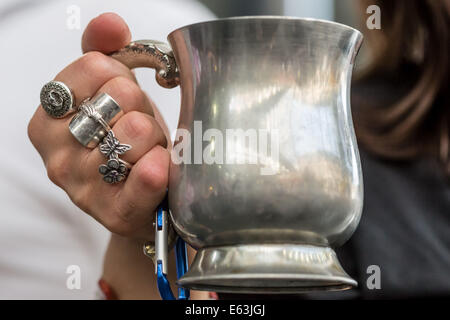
{"x": 89, "y": 111}
{"x": 57, "y": 99}
{"x": 93, "y": 120}
{"x": 111, "y": 147}
{"x": 115, "y": 170}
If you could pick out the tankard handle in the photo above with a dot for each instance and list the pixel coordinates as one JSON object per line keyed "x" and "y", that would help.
{"x": 152, "y": 54}
{"x": 159, "y": 56}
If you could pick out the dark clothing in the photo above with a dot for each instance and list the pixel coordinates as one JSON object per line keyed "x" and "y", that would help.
{"x": 404, "y": 229}
{"x": 405, "y": 225}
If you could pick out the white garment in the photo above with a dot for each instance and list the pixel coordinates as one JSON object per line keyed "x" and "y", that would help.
{"x": 41, "y": 232}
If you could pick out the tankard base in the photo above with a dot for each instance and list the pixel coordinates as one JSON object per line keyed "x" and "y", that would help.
{"x": 266, "y": 268}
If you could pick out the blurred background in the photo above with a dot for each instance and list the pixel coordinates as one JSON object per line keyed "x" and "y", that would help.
{"x": 343, "y": 11}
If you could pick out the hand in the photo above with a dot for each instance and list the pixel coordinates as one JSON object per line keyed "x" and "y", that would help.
{"x": 125, "y": 208}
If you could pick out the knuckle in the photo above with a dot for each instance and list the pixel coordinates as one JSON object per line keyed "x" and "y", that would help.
{"x": 115, "y": 224}
{"x": 127, "y": 92}
{"x": 92, "y": 57}
{"x": 59, "y": 168}
{"x": 154, "y": 176}
{"x": 138, "y": 125}
{"x": 126, "y": 218}
{"x": 155, "y": 180}
{"x": 81, "y": 198}
{"x": 95, "y": 63}
{"x": 111, "y": 217}
{"x": 32, "y": 131}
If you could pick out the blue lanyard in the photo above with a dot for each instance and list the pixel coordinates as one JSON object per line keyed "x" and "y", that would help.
{"x": 161, "y": 251}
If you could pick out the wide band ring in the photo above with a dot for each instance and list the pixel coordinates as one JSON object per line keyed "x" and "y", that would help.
{"x": 88, "y": 110}
{"x": 92, "y": 122}
{"x": 57, "y": 99}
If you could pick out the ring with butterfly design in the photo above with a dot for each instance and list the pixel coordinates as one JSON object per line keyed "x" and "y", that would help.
{"x": 115, "y": 170}
{"x": 92, "y": 125}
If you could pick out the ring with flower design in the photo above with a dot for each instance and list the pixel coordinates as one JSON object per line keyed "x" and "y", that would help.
{"x": 116, "y": 169}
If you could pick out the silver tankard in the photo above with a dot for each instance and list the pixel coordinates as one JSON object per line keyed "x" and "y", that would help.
{"x": 265, "y": 177}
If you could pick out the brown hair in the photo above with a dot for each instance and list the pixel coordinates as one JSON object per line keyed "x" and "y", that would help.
{"x": 415, "y": 32}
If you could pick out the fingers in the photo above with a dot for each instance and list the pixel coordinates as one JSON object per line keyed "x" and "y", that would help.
{"x": 124, "y": 208}
{"x": 128, "y": 95}
{"x": 106, "y": 33}
{"x": 86, "y": 75}
{"x": 127, "y": 208}
{"x": 141, "y": 131}
{"x": 144, "y": 188}
{"x": 137, "y": 129}
{"x": 131, "y": 211}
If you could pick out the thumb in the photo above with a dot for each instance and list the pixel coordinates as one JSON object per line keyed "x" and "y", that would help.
{"x": 106, "y": 33}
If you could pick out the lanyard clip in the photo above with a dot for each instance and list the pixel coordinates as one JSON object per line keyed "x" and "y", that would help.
{"x": 161, "y": 256}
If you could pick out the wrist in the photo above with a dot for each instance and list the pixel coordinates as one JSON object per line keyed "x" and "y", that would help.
{"x": 126, "y": 269}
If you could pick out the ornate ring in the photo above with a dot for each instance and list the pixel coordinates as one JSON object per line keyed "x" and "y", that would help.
{"x": 93, "y": 120}
{"x": 89, "y": 110}
{"x": 111, "y": 147}
{"x": 57, "y": 99}
{"x": 115, "y": 169}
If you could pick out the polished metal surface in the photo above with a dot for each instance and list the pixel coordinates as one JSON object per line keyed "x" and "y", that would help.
{"x": 269, "y": 268}
{"x": 289, "y": 75}
{"x": 151, "y": 54}
{"x": 87, "y": 128}
{"x": 289, "y": 78}
{"x": 89, "y": 109}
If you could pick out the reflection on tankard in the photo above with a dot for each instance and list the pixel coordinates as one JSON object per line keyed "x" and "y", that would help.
{"x": 282, "y": 86}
